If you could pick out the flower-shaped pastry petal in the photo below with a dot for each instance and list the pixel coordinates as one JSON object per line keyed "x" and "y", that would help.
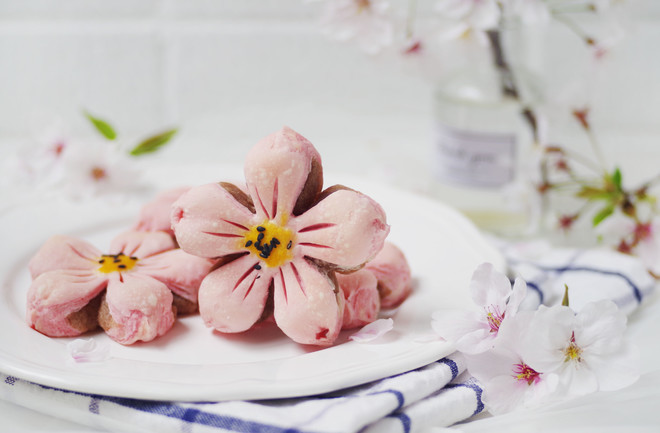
{"x": 129, "y": 291}
{"x": 155, "y": 215}
{"x": 283, "y": 240}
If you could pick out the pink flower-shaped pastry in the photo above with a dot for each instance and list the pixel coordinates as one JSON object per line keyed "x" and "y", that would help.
{"x": 155, "y": 215}
{"x": 281, "y": 242}
{"x": 130, "y": 291}
{"x": 362, "y": 298}
{"x": 392, "y": 271}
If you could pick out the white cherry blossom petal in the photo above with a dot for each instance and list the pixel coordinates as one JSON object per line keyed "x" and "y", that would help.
{"x": 518, "y": 293}
{"x": 489, "y": 287}
{"x": 606, "y": 338}
{"x": 464, "y": 329}
{"x": 509, "y": 379}
{"x": 369, "y": 24}
{"x": 475, "y": 331}
{"x": 373, "y": 331}
{"x": 88, "y": 350}
{"x": 588, "y": 351}
{"x": 617, "y": 370}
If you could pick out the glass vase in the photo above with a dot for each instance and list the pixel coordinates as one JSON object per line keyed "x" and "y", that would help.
{"x": 483, "y": 138}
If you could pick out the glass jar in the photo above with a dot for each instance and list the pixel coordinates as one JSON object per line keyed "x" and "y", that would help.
{"x": 483, "y": 141}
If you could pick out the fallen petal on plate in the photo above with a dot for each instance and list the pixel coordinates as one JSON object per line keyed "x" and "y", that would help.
{"x": 82, "y": 350}
{"x": 373, "y": 330}
{"x": 428, "y": 338}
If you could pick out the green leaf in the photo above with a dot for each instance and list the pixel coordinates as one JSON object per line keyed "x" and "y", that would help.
{"x": 564, "y": 301}
{"x": 591, "y": 193}
{"x": 604, "y": 213}
{"x": 102, "y": 126}
{"x": 153, "y": 143}
{"x": 616, "y": 179}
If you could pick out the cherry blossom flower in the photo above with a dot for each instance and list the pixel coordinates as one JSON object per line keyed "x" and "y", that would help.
{"x": 464, "y": 17}
{"x": 36, "y": 166}
{"x": 647, "y": 236}
{"x": 475, "y": 331}
{"x": 614, "y": 228}
{"x": 639, "y": 238}
{"x": 509, "y": 380}
{"x": 280, "y": 243}
{"x": 586, "y": 350}
{"x": 367, "y": 22}
{"x": 96, "y": 168}
{"x": 133, "y": 287}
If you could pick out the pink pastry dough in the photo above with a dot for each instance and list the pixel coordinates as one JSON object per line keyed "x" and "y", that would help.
{"x": 155, "y": 216}
{"x": 362, "y": 299}
{"x": 392, "y": 271}
{"x": 284, "y": 233}
{"x": 138, "y": 278}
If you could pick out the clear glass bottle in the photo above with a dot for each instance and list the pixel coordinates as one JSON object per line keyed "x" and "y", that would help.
{"x": 482, "y": 141}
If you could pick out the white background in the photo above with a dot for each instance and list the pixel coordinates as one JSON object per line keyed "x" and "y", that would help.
{"x": 229, "y": 72}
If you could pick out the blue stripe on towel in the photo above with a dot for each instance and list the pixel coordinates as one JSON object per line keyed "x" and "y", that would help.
{"x": 452, "y": 366}
{"x": 405, "y": 420}
{"x": 398, "y": 394}
{"x": 471, "y": 384}
{"x": 636, "y": 291}
{"x": 538, "y": 291}
{"x": 197, "y": 416}
{"x": 191, "y": 415}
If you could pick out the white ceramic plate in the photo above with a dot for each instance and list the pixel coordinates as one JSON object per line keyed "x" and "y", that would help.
{"x": 192, "y": 363}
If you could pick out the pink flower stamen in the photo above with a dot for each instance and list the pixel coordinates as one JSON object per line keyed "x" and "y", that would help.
{"x": 573, "y": 352}
{"x": 98, "y": 173}
{"x": 524, "y": 372}
{"x": 414, "y": 48}
{"x": 643, "y": 231}
{"x": 566, "y": 222}
{"x": 494, "y": 318}
{"x": 363, "y": 5}
{"x": 58, "y": 148}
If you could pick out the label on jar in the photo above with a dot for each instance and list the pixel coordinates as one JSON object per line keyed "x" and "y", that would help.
{"x": 475, "y": 159}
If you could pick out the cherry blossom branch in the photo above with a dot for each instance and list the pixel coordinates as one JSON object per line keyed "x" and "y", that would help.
{"x": 589, "y": 40}
{"x": 410, "y": 21}
{"x": 508, "y": 83}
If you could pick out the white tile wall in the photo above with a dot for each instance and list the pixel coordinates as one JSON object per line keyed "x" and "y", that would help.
{"x": 230, "y": 71}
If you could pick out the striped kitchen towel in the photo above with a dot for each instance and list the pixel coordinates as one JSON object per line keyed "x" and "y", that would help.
{"x": 591, "y": 274}
{"x": 436, "y": 394}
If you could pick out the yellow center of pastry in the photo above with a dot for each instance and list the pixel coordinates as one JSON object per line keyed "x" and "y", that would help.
{"x": 271, "y": 242}
{"x": 116, "y": 263}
